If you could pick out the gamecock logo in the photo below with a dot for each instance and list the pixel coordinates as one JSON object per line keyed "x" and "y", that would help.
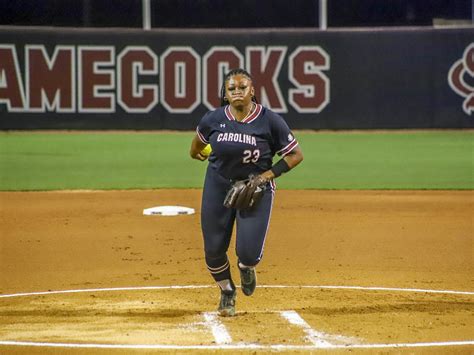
{"x": 463, "y": 70}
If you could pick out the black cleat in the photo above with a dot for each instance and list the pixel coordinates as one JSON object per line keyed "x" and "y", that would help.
{"x": 227, "y": 304}
{"x": 248, "y": 280}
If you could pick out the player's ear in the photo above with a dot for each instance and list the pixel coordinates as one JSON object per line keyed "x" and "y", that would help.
{"x": 252, "y": 91}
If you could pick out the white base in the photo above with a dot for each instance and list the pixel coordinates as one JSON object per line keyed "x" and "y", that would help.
{"x": 168, "y": 211}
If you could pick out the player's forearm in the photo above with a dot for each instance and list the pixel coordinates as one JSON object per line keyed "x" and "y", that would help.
{"x": 196, "y": 147}
{"x": 292, "y": 159}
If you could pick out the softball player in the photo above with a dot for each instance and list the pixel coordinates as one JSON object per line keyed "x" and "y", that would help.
{"x": 244, "y": 137}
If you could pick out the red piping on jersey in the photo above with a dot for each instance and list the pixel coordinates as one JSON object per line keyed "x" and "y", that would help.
{"x": 228, "y": 114}
{"x": 201, "y": 137}
{"x": 249, "y": 118}
{"x": 273, "y": 185}
{"x": 268, "y": 224}
{"x": 252, "y": 116}
{"x": 288, "y": 148}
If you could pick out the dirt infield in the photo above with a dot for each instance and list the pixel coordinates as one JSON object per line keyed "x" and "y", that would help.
{"x": 91, "y": 240}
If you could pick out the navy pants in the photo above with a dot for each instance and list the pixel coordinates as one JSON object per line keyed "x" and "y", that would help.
{"x": 217, "y": 223}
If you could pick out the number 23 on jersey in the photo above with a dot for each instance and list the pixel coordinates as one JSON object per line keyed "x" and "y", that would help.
{"x": 251, "y": 156}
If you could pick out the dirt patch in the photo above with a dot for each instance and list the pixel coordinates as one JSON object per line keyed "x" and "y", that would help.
{"x": 100, "y": 239}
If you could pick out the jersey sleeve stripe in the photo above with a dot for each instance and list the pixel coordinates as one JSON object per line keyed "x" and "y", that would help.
{"x": 201, "y": 137}
{"x": 288, "y": 148}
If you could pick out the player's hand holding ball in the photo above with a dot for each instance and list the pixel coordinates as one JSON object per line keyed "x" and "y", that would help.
{"x": 203, "y": 154}
{"x": 206, "y": 151}
{"x": 197, "y": 153}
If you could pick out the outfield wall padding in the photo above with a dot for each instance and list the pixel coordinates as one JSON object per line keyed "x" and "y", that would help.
{"x": 62, "y": 78}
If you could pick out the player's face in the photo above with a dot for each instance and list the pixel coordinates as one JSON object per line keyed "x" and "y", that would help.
{"x": 239, "y": 90}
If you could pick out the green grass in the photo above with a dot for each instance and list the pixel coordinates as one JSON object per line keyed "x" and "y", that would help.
{"x": 398, "y": 160}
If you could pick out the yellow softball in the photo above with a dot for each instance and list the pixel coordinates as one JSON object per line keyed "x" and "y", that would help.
{"x": 206, "y": 151}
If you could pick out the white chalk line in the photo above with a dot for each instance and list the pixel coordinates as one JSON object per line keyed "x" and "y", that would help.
{"x": 218, "y": 329}
{"x": 236, "y": 346}
{"x": 220, "y": 332}
{"x": 317, "y": 338}
{"x": 140, "y": 288}
{"x": 107, "y": 289}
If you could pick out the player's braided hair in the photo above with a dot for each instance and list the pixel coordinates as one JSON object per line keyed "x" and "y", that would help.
{"x": 227, "y": 77}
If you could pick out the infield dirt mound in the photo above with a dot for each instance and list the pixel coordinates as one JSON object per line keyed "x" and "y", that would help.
{"x": 97, "y": 239}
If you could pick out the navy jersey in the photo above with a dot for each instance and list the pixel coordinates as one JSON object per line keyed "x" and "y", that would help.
{"x": 246, "y": 147}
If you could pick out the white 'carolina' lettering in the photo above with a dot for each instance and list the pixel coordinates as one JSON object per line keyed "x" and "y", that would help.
{"x": 237, "y": 137}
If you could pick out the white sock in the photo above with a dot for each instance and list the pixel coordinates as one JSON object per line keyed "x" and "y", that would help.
{"x": 225, "y": 285}
{"x": 242, "y": 266}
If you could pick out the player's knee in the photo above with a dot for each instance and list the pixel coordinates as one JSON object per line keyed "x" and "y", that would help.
{"x": 216, "y": 262}
{"x": 214, "y": 253}
{"x": 248, "y": 259}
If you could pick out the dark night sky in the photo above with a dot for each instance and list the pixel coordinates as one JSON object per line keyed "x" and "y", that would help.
{"x": 226, "y": 13}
